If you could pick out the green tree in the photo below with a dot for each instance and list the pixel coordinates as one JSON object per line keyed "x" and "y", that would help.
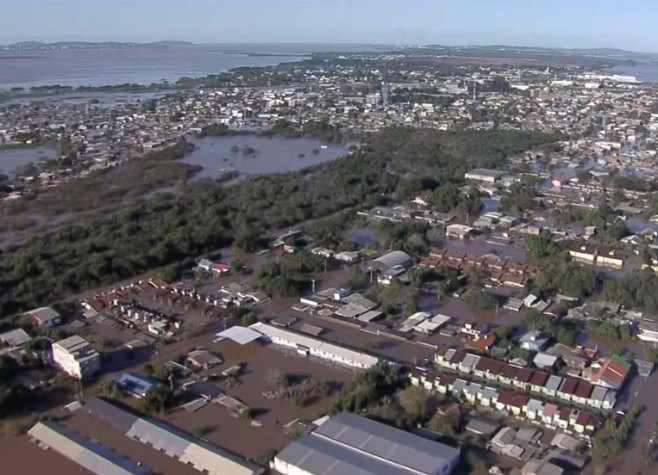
{"x": 109, "y": 388}
{"x": 445, "y": 198}
{"x": 249, "y": 319}
{"x": 415, "y": 401}
{"x": 448, "y": 424}
{"x": 480, "y": 299}
{"x": 156, "y": 399}
{"x": 567, "y": 336}
{"x": 541, "y": 245}
{"x": 411, "y": 305}
{"x": 535, "y": 320}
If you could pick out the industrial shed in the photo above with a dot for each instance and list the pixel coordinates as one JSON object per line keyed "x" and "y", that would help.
{"x": 391, "y": 260}
{"x": 348, "y": 444}
{"x": 307, "y": 345}
{"x": 188, "y": 449}
{"x": 94, "y": 457}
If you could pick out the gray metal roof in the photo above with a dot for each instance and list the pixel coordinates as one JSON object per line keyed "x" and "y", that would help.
{"x": 90, "y": 455}
{"x": 111, "y": 414}
{"x": 317, "y": 456}
{"x": 378, "y": 442}
{"x": 392, "y": 259}
{"x": 188, "y": 449}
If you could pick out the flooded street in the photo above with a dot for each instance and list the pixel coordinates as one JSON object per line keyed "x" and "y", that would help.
{"x": 267, "y": 154}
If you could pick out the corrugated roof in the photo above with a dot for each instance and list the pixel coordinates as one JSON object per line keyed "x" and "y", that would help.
{"x": 174, "y": 442}
{"x": 92, "y": 456}
{"x": 120, "y": 419}
{"x": 348, "y": 444}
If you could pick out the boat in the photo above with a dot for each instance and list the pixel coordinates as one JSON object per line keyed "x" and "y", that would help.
{"x": 324, "y": 146}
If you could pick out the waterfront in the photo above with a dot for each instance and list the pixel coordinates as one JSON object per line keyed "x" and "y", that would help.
{"x": 272, "y": 154}
{"x": 100, "y": 67}
{"x": 643, "y": 72}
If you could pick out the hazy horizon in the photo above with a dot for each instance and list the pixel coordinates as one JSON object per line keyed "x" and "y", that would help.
{"x": 540, "y": 23}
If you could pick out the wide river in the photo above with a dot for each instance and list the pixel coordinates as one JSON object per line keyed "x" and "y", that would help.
{"x": 145, "y": 65}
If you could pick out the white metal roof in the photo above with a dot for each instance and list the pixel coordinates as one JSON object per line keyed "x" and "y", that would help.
{"x": 92, "y": 456}
{"x": 316, "y": 344}
{"x": 240, "y": 335}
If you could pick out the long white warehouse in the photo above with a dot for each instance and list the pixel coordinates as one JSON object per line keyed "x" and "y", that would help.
{"x": 312, "y": 346}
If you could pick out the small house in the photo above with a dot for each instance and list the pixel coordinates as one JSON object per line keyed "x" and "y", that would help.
{"x": 45, "y": 317}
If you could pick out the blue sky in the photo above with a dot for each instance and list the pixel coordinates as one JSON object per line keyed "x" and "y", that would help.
{"x": 575, "y": 23}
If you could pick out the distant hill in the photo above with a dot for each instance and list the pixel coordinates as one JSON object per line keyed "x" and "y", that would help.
{"x": 85, "y": 45}
{"x": 601, "y": 52}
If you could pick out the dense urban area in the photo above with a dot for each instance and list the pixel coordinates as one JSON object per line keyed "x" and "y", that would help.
{"x": 471, "y": 287}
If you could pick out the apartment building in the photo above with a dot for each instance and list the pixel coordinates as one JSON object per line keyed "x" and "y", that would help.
{"x": 76, "y": 357}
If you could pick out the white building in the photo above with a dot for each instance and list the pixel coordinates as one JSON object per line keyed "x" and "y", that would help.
{"x": 305, "y": 345}
{"x": 76, "y": 357}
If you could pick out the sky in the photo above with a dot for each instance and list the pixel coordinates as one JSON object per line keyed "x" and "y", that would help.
{"x": 628, "y": 24}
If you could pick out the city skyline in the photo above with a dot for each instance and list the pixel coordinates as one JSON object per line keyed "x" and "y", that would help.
{"x": 556, "y": 23}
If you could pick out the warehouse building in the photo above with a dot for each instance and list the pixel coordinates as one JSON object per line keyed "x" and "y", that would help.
{"x": 94, "y": 457}
{"x": 203, "y": 456}
{"x": 306, "y": 345}
{"x": 350, "y": 444}
{"x": 392, "y": 260}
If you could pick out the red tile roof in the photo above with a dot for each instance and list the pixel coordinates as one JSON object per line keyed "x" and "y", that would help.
{"x": 568, "y": 386}
{"x": 523, "y": 375}
{"x": 539, "y": 378}
{"x": 505, "y": 397}
{"x": 551, "y": 409}
{"x": 615, "y": 369}
{"x": 458, "y": 357}
{"x": 565, "y": 412}
{"x": 446, "y": 379}
{"x": 482, "y": 343}
{"x": 583, "y": 418}
{"x": 509, "y": 371}
{"x": 584, "y": 389}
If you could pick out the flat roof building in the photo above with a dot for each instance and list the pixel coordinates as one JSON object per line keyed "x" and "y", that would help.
{"x": 349, "y": 444}
{"x": 94, "y": 457}
{"x": 75, "y": 356}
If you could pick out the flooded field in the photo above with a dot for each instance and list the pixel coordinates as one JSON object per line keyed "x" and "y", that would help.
{"x": 10, "y": 159}
{"x": 254, "y": 155}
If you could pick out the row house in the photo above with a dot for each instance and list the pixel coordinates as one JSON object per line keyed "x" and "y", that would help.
{"x": 496, "y": 372}
{"x": 499, "y": 271}
{"x": 524, "y": 406}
